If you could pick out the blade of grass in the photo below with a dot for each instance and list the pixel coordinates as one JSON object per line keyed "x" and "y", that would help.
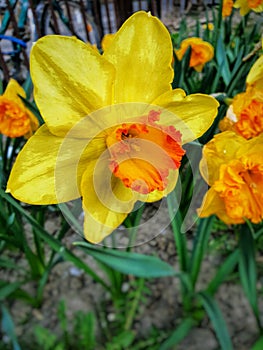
{"x": 217, "y": 320}
{"x": 178, "y": 335}
{"x": 247, "y": 269}
{"x": 130, "y": 263}
{"x": 8, "y": 328}
{"x": 176, "y": 222}
{"x": 200, "y": 244}
{"x": 223, "y": 272}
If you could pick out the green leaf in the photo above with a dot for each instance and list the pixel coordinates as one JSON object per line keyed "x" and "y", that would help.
{"x": 222, "y": 61}
{"x": 217, "y": 320}
{"x": 247, "y": 268}
{"x": 200, "y": 244}
{"x": 223, "y": 272}
{"x": 130, "y": 263}
{"x": 45, "y": 339}
{"x": 8, "y": 263}
{"x": 8, "y": 288}
{"x": 9, "y": 328}
{"x": 121, "y": 341}
{"x": 176, "y": 223}
{"x": 33, "y": 108}
{"x": 84, "y": 330}
{"x": 178, "y": 335}
{"x": 258, "y": 345}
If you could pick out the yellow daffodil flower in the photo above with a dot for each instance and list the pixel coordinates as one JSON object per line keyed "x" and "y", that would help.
{"x": 233, "y": 167}
{"x": 114, "y": 128}
{"x": 15, "y": 119}
{"x": 246, "y": 6}
{"x": 202, "y": 52}
{"x": 210, "y": 26}
{"x": 245, "y": 114}
{"x": 227, "y": 8}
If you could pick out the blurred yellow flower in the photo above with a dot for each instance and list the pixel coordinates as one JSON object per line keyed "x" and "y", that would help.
{"x": 209, "y": 26}
{"x": 15, "y": 119}
{"x": 245, "y": 114}
{"x": 246, "y": 6}
{"x": 114, "y": 127}
{"x": 201, "y": 53}
{"x": 107, "y": 40}
{"x": 233, "y": 168}
{"x": 227, "y": 8}
{"x": 255, "y": 75}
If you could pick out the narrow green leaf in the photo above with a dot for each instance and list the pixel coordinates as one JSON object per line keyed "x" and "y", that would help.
{"x": 258, "y": 345}
{"x": 200, "y": 245}
{"x": 33, "y": 108}
{"x": 176, "y": 223}
{"x": 130, "y": 263}
{"x": 9, "y": 264}
{"x": 223, "y": 272}
{"x": 247, "y": 268}
{"x": 217, "y": 320}
{"x": 178, "y": 335}
{"x": 222, "y": 61}
{"x": 8, "y": 288}
{"x": 9, "y": 328}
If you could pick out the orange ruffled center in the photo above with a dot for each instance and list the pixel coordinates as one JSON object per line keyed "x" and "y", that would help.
{"x": 253, "y": 4}
{"x": 241, "y": 187}
{"x": 14, "y": 122}
{"x": 143, "y": 153}
{"x": 250, "y": 120}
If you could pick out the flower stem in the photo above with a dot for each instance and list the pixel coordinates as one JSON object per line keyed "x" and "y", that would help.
{"x": 134, "y": 305}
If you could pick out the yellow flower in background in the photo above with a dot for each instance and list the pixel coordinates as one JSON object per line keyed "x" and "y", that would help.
{"x": 246, "y": 6}
{"x": 114, "y": 128}
{"x": 233, "y": 168}
{"x": 245, "y": 114}
{"x": 107, "y": 40}
{"x": 202, "y": 52}
{"x": 255, "y": 75}
{"x": 227, "y": 8}
{"x": 209, "y": 26}
{"x": 15, "y": 119}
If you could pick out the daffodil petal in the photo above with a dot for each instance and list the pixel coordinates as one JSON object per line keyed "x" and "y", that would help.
{"x": 49, "y": 168}
{"x": 71, "y": 80}
{"x": 255, "y": 75}
{"x": 213, "y": 204}
{"x": 141, "y": 52}
{"x": 243, "y": 5}
{"x": 192, "y": 115}
{"x": 106, "y": 201}
{"x": 217, "y": 152}
{"x": 158, "y": 195}
{"x": 12, "y": 91}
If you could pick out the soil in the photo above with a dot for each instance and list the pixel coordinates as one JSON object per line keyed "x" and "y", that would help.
{"x": 162, "y": 309}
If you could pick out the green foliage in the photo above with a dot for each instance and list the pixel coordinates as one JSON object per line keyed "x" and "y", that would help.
{"x": 7, "y": 327}
{"x": 217, "y": 320}
{"x": 79, "y": 334}
{"x": 129, "y": 263}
